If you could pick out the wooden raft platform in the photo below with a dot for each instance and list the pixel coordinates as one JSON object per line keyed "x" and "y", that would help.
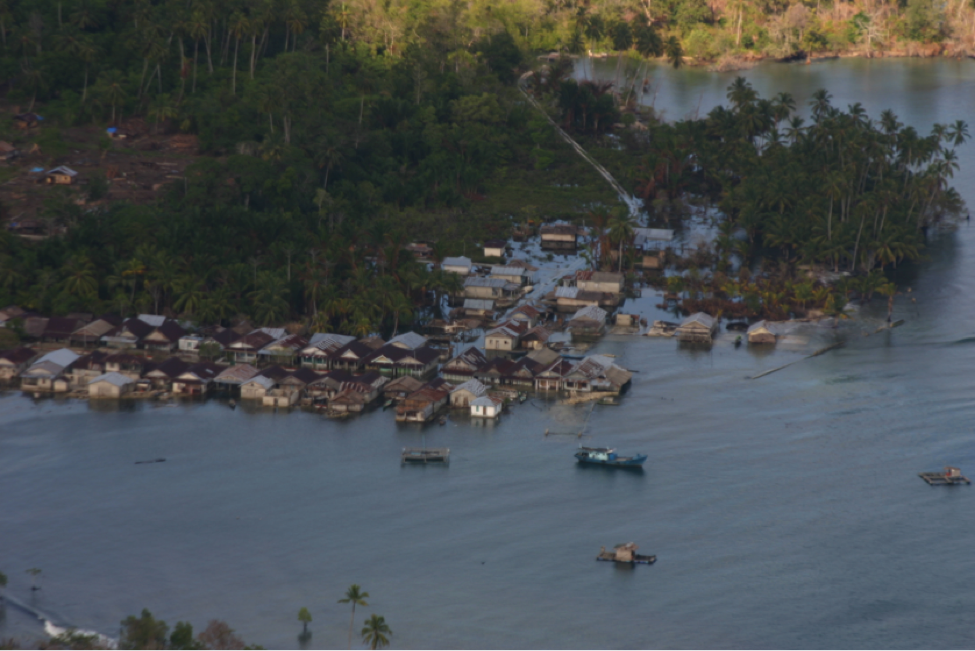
{"x": 425, "y": 455}
{"x": 950, "y": 477}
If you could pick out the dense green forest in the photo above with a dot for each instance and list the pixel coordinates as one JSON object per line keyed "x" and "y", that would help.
{"x": 333, "y": 133}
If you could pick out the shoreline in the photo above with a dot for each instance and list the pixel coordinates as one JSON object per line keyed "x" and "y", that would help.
{"x": 732, "y": 62}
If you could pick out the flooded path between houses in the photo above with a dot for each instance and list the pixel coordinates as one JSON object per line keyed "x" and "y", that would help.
{"x": 785, "y": 511}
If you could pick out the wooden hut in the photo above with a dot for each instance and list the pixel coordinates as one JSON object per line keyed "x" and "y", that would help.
{"x": 698, "y": 328}
{"x": 62, "y": 175}
{"x": 761, "y": 333}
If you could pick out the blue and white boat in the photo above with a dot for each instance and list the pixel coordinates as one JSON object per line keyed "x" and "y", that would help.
{"x": 608, "y": 457}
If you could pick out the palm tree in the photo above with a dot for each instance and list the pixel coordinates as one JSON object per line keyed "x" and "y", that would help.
{"x": 621, "y": 230}
{"x": 239, "y": 25}
{"x": 269, "y": 298}
{"x": 354, "y": 595}
{"x": 375, "y": 632}
{"x": 161, "y": 109}
{"x": 80, "y": 279}
{"x": 112, "y": 89}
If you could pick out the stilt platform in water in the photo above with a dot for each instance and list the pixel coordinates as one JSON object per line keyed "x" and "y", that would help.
{"x": 426, "y": 455}
{"x": 950, "y": 477}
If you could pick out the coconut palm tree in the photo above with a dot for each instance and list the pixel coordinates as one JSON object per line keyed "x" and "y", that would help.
{"x": 238, "y": 26}
{"x": 111, "y": 87}
{"x": 375, "y": 633}
{"x": 355, "y": 596}
{"x": 621, "y": 230}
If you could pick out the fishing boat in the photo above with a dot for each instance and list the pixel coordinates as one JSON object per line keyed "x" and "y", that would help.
{"x": 608, "y": 457}
{"x": 425, "y": 455}
{"x": 610, "y": 401}
{"x": 625, "y": 554}
{"x": 387, "y": 404}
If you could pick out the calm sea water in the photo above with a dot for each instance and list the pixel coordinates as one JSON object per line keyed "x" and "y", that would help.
{"x": 785, "y": 511}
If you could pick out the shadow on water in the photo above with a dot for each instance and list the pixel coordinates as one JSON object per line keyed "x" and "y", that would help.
{"x": 611, "y": 472}
{"x": 113, "y": 406}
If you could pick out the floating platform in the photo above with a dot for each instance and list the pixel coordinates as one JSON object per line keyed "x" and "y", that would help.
{"x": 425, "y": 455}
{"x": 950, "y": 477}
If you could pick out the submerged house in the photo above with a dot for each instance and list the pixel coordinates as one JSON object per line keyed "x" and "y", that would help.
{"x": 760, "y": 332}
{"x": 589, "y": 321}
{"x": 486, "y": 407}
{"x": 87, "y": 367}
{"x": 559, "y": 236}
{"x": 131, "y": 366}
{"x": 506, "y": 336}
{"x": 422, "y": 405}
{"x": 463, "y": 367}
{"x": 597, "y": 373}
{"x": 232, "y": 377}
{"x": 552, "y": 375}
{"x": 479, "y": 307}
{"x": 464, "y": 394}
{"x": 110, "y": 385}
{"x": 321, "y": 347}
{"x": 519, "y": 276}
{"x": 698, "y": 328}
{"x": 50, "y": 372}
{"x": 609, "y": 282}
{"x": 165, "y": 373}
{"x": 490, "y": 288}
{"x": 401, "y": 387}
{"x": 13, "y": 362}
{"x": 197, "y": 380}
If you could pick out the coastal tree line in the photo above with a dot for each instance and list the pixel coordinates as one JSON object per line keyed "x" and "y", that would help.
{"x": 148, "y": 632}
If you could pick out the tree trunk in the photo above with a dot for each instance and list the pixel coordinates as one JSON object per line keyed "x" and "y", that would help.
{"x": 196, "y": 49}
{"x": 253, "y": 53}
{"x": 206, "y": 42}
{"x": 233, "y": 79}
{"x": 84, "y": 91}
{"x": 182, "y": 71}
{"x": 351, "y": 623}
{"x": 142, "y": 79}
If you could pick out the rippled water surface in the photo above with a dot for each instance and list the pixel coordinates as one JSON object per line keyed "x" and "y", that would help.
{"x": 784, "y": 511}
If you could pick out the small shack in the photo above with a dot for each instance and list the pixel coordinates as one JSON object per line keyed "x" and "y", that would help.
{"x": 27, "y": 120}
{"x": 62, "y": 175}
{"x": 760, "y": 332}
{"x": 698, "y": 328}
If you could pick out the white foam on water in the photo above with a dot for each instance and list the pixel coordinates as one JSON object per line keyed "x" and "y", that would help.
{"x": 56, "y": 631}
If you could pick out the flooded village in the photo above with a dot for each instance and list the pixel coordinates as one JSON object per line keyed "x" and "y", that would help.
{"x": 501, "y": 339}
{"x": 518, "y": 327}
